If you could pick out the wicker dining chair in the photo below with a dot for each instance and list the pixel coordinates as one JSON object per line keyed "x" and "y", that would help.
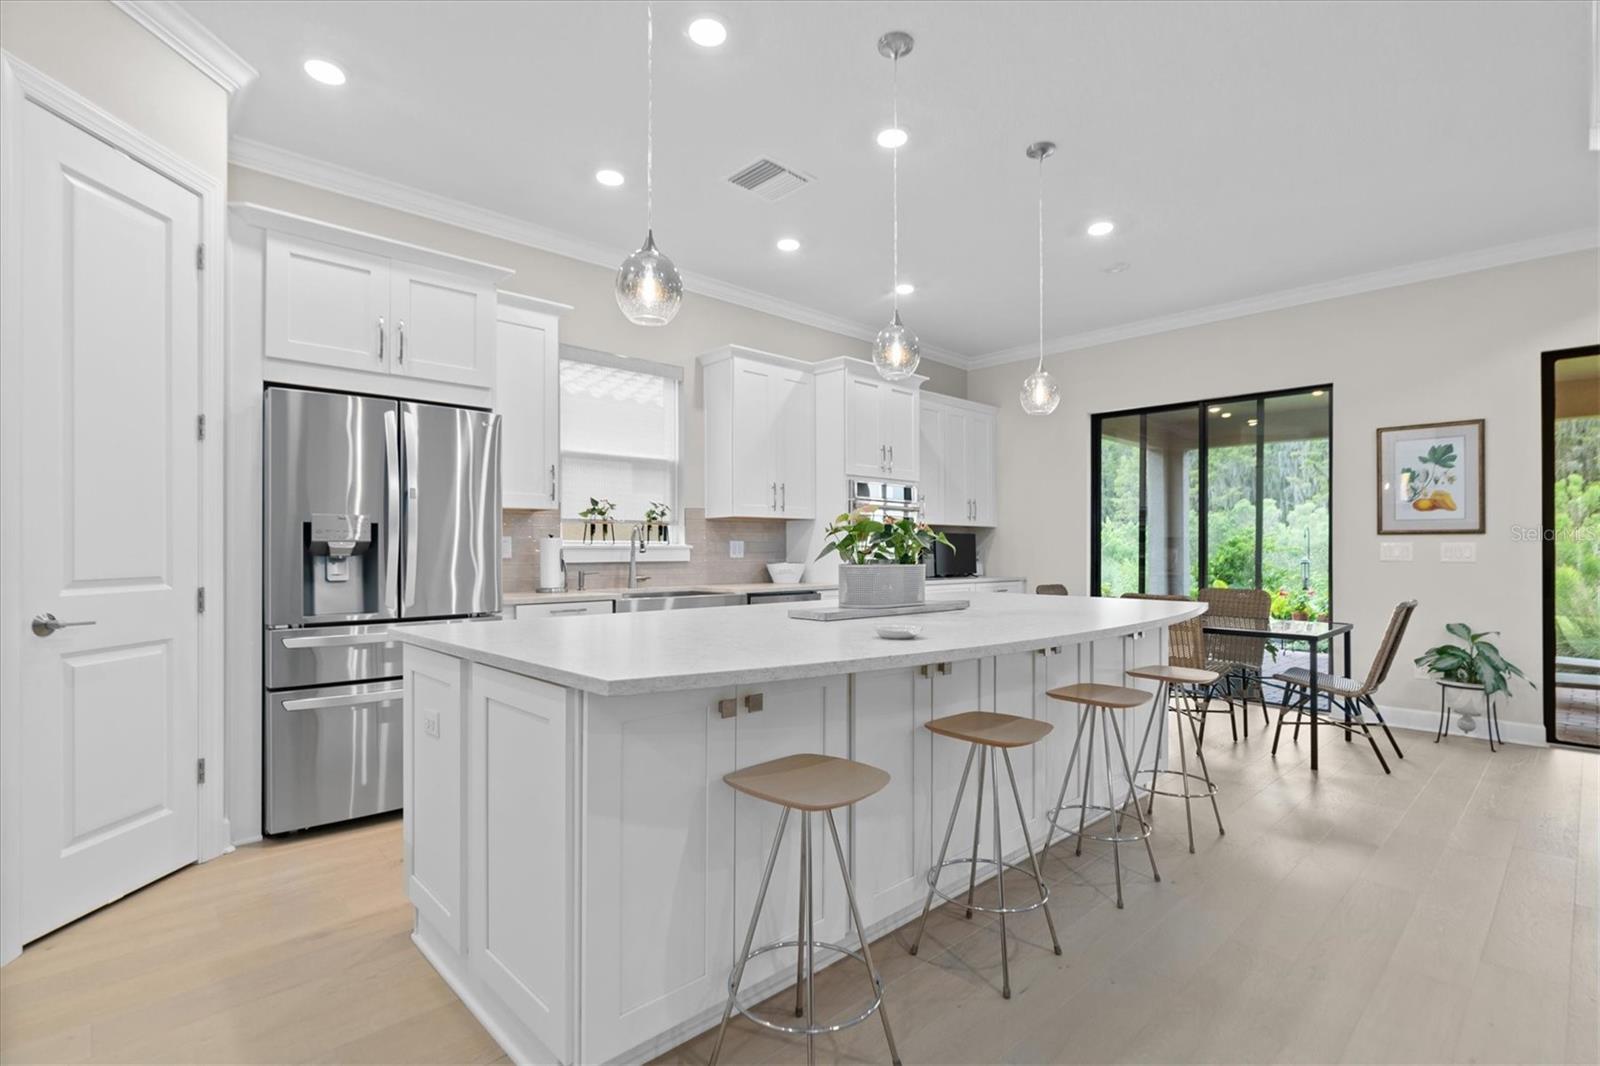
{"x": 1346, "y": 694}
{"x": 1186, "y": 646}
{"x": 1238, "y": 659}
{"x": 1050, "y": 590}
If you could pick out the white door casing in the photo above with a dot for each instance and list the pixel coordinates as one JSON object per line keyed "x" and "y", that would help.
{"x": 110, "y": 379}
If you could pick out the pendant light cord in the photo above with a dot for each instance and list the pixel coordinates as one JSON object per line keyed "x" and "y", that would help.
{"x": 649, "y": 116}
{"x": 1041, "y": 262}
{"x": 894, "y": 283}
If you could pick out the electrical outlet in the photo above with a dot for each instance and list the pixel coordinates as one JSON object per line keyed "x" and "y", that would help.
{"x": 736, "y": 549}
{"x": 1394, "y": 551}
{"x": 430, "y": 725}
{"x": 505, "y": 547}
{"x": 1458, "y": 552}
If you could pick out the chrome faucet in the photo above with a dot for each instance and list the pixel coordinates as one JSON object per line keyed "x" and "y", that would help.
{"x": 636, "y": 548}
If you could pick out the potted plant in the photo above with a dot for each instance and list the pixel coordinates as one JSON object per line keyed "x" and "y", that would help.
{"x": 880, "y": 559}
{"x": 1477, "y": 662}
{"x": 1300, "y": 603}
{"x": 597, "y": 518}
{"x": 656, "y": 517}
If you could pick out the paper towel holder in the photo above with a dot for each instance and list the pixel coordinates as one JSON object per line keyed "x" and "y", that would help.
{"x": 552, "y": 575}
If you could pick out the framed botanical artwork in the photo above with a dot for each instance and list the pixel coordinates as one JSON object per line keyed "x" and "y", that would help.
{"x": 1430, "y": 478}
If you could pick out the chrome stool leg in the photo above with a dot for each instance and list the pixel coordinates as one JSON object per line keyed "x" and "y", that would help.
{"x": 1205, "y": 772}
{"x": 800, "y": 936}
{"x": 861, "y": 934}
{"x": 749, "y": 936}
{"x": 1088, "y": 772}
{"x": 944, "y": 850}
{"x": 1061, "y": 797}
{"x": 1027, "y": 841}
{"x": 1133, "y": 790}
{"x": 999, "y": 874}
{"x": 809, "y": 946}
{"x": 977, "y": 825}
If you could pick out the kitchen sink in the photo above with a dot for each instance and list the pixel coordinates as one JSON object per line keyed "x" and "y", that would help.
{"x": 675, "y": 601}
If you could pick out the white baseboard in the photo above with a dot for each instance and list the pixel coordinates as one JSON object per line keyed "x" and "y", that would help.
{"x": 1423, "y": 720}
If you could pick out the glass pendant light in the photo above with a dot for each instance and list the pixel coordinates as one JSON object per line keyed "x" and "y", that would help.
{"x": 649, "y": 290}
{"x": 1040, "y": 393}
{"x": 896, "y": 351}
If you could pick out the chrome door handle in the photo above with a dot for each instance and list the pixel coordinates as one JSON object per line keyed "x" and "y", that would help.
{"x": 883, "y": 457}
{"x": 552, "y": 481}
{"x": 47, "y": 623}
{"x": 774, "y": 495}
{"x": 364, "y": 699}
{"x": 783, "y": 490}
{"x": 391, "y": 532}
{"x": 570, "y": 610}
{"x": 891, "y": 458}
{"x": 380, "y": 338}
{"x": 400, "y": 328}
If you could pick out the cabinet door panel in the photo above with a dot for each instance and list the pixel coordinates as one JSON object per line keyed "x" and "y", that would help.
{"x": 529, "y": 404}
{"x": 956, "y": 692}
{"x": 931, "y": 460}
{"x": 795, "y": 443}
{"x": 892, "y": 828}
{"x": 435, "y": 695}
{"x": 326, "y": 305}
{"x": 866, "y": 446}
{"x": 953, "y": 474}
{"x": 658, "y": 923}
{"x": 898, "y": 424}
{"x": 980, "y": 471}
{"x": 796, "y": 716}
{"x": 754, "y": 439}
{"x": 444, "y": 327}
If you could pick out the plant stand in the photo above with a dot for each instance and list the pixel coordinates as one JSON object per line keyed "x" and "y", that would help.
{"x": 1491, "y": 719}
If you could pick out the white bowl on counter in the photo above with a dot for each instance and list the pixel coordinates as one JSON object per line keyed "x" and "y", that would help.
{"x": 786, "y": 573}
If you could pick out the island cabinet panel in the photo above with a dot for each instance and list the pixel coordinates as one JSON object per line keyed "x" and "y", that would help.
{"x": 776, "y": 719}
{"x": 435, "y": 687}
{"x": 955, "y": 688}
{"x": 520, "y": 937}
{"x": 892, "y": 829}
{"x": 658, "y": 865}
{"x": 1015, "y": 684}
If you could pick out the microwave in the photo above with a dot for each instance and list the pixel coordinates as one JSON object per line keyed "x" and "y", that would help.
{"x": 960, "y": 559}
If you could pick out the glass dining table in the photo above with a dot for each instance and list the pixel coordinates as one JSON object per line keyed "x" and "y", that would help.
{"x": 1315, "y": 636}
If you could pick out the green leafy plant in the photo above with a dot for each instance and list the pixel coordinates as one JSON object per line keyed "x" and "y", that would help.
{"x": 598, "y": 510}
{"x": 657, "y": 512}
{"x": 1476, "y": 662}
{"x": 861, "y": 537}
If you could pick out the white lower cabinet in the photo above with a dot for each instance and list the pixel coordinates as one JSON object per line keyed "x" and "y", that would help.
{"x": 892, "y": 828}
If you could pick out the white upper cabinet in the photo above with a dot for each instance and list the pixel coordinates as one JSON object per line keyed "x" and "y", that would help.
{"x": 760, "y": 419}
{"x": 326, "y": 305}
{"x": 880, "y": 424}
{"x": 528, "y": 398}
{"x": 957, "y": 455}
{"x": 346, "y": 310}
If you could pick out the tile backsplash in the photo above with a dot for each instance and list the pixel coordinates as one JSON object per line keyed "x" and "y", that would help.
{"x": 710, "y": 564}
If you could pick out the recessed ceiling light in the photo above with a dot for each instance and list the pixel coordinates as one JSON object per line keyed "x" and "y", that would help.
{"x": 325, "y": 72}
{"x": 1213, "y": 410}
{"x": 788, "y": 244}
{"x": 893, "y": 137}
{"x": 1101, "y": 228}
{"x": 905, "y": 288}
{"x": 1117, "y": 268}
{"x": 1227, "y": 414}
{"x": 1317, "y": 392}
{"x": 1252, "y": 421}
{"x": 609, "y": 177}
{"x": 707, "y": 32}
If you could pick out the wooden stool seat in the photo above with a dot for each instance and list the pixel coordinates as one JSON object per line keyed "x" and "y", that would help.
{"x": 809, "y": 782}
{"x": 1094, "y": 695}
{"x": 1176, "y": 675}
{"x": 991, "y": 730}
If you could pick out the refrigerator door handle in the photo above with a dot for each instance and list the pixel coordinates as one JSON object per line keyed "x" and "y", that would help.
{"x": 313, "y": 703}
{"x": 408, "y": 418}
{"x": 391, "y": 530}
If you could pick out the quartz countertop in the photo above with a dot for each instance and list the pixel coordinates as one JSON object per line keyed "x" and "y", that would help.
{"x": 662, "y": 651}
{"x": 514, "y": 599}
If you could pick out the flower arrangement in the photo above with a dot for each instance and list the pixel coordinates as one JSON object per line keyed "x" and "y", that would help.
{"x": 656, "y": 517}
{"x": 861, "y": 538}
{"x": 597, "y": 518}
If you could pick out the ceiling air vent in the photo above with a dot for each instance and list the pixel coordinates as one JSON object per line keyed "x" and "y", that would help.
{"x": 770, "y": 181}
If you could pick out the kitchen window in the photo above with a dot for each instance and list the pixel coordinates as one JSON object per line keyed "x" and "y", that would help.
{"x": 621, "y": 439}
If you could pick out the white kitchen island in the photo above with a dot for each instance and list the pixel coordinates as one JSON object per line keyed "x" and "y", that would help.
{"x": 580, "y": 871}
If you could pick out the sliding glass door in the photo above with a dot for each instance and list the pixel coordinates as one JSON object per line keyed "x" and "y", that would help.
{"x": 1231, "y": 492}
{"x": 1571, "y": 535}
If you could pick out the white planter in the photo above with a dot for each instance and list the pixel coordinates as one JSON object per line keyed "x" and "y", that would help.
{"x": 882, "y": 585}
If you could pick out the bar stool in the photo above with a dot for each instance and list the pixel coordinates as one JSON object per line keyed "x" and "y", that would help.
{"x": 807, "y": 783}
{"x": 999, "y": 733}
{"x": 1172, "y": 679}
{"x": 1107, "y": 699}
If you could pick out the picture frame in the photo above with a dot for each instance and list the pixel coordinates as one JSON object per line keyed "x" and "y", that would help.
{"x": 1431, "y": 478}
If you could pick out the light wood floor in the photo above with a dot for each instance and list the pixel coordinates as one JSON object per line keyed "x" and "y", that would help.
{"x": 1447, "y": 913}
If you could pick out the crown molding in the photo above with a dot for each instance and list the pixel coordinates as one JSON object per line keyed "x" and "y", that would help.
{"x": 180, "y": 31}
{"x": 1428, "y": 270}
{"x": 292, "y": 166}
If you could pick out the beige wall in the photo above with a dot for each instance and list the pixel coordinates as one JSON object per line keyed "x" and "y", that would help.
{"x": 1455, "y": 348}
{"x": 701, "y": 325}
{"x": 102, "y": 54}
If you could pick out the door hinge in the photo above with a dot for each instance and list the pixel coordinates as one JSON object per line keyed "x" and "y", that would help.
{"x": 199, "y": 257}
{"x": 199, "y": 427}
{"x": 200, "y": 599}
{"x": 200, "y": 771}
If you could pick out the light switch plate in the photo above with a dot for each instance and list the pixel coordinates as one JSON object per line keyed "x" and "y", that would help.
{"x": 1394, "y": 551}
{"x": 430, "y": 724}
{"x": 736, "y": 549}
{"x": 505, "y": 547}
{"x": 1458, "y": 552}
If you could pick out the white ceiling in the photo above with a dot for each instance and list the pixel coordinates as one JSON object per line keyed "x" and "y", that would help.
{"x": 1242, "y": 148}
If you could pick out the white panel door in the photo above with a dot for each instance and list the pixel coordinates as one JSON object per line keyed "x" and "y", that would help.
{"x": 866, "y": 447}
{"x": 110, "y": 395}
{"x": 529, "y": 404}
{"x": 326, "y": 305}
{"x": 892, "y": 829}
{"x": 794, "y": 409}
{"x": 443, "y": 326}
{"x": 898, "y": 419}
{"x": 755, "y": 481}
{"x": 930, "y": 446}
{"x": 980, "y": 472}
{"x": 952, "y": 476}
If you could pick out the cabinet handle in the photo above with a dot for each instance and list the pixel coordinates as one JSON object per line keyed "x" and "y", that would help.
{"x": 891, "y": 458}
{"x": 380, "y": 338}
{"x": 727, "y": 708}
{"x": 774, "y": 495}
{"x": 754, "y": 702}
{"x": 883, "y": 457}
{"x": 783, "y": 489}
{"x": 944, "y": 668}
{"x": 552, "y": 481}
{"x": 401, "y": 326}
{"x": 572, "y": 610}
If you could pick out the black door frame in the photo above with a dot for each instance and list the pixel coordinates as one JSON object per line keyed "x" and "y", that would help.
{"x": 1547, "y": 526}
{"x": 1202, "y": 481}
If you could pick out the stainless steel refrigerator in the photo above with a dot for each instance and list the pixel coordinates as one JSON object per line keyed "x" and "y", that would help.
{"x": 376, "y": 513}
